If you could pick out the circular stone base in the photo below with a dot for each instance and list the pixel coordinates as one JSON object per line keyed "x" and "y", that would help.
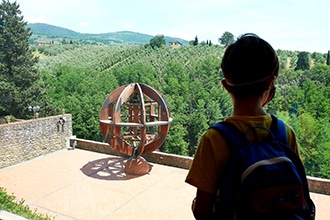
{"x": 137, "y": 166}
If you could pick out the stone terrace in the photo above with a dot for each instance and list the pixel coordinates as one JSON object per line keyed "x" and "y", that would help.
{"x": 80, "y": 184}
{"x": 90, "y": 182}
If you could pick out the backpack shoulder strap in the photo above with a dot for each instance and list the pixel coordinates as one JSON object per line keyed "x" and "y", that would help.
{"x": 278, "y": 129}
{"x": 233, "y": 136}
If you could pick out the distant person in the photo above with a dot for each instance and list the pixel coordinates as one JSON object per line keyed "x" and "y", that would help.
{"x": 250, "y": 67}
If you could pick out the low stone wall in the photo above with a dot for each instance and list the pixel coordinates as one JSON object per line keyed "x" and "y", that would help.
{"x": 319, "y": 185}
{"x": 25, "y": 140}
{"x": 316, "y": 185}
{"x": 155, "y": 157}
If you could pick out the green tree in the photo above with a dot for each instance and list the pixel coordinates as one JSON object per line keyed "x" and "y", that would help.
{"x": 195, "y": 42}
{"x": 318, "y": 58}
{"x": 175, "y": 143}
{"x": 320, "y": 74}
{"x": 324, "y": 148}
{"x": 304, "y": 61}
{"x": 21, "y": 83}
{"x": 157, "y": 41}
{"x": 81, "y": 92}
{"x": 137, "y": 72}
{"x": 226, "y": 39}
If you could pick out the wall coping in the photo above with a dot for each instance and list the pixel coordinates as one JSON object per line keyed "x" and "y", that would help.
{"x": 22, "y": 121}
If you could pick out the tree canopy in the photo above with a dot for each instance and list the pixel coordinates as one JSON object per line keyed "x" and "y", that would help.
{"x": 189, "y": 78}
{"x": 195, "y": 42}
{"x": 226, "y": 39}
{"x": 157, "y": 41}
{"x": 303, "y": 62}
{"x": 20, "y": 84}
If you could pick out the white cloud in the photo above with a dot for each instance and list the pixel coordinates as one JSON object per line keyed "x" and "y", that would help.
{"x": 84, "y": 24}
{"x": 38, "y": 19}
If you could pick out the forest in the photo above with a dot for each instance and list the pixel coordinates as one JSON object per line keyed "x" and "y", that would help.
{"x": 78, "y": 77}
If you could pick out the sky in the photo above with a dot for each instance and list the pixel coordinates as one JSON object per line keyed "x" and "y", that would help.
{"x": 296, "y": 25}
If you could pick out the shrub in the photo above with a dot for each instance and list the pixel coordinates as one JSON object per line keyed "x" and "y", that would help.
{"x": 8, "y": 203}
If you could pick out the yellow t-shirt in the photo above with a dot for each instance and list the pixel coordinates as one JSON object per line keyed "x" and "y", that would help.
{"x": 213, "y": 153}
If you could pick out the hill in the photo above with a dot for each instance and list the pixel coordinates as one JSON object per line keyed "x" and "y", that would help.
{"x": 51, "y": 33}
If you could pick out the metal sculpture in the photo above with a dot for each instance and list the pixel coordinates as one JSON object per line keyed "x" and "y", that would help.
{"x": 135, "y": 119}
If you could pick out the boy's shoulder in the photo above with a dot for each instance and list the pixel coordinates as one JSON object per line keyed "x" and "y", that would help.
{"x": 248, "y": 118}
{"x": 245, "y": 122}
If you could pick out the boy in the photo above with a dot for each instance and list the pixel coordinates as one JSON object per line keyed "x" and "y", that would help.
{"x": 250, "y": 67}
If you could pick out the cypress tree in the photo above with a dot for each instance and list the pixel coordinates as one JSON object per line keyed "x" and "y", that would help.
{"x": 195, "y": 41}
{"x": 303, "y": 62}
{"x": 20, "y": 84}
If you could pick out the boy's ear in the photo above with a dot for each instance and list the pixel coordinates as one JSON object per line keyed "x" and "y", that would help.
{"x": 271, "y": 82}
{"x": 225, "y": 85}
{"x": 271, "y": 90}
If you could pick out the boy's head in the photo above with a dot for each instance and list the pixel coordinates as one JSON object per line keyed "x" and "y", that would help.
{"x": 248, "y": 65}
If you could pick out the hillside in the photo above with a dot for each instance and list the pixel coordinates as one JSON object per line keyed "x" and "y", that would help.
{"x": 51, "y": 33}
{"x": 80, "y": 77}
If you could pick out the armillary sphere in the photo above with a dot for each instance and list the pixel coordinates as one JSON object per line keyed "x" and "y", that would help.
{"x": 135, "y": 119}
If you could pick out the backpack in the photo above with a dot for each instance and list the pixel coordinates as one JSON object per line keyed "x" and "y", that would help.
{"x": 264, "y": 180}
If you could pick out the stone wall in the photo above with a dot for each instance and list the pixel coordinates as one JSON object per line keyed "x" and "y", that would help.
{"x": 319, "y": 185}
{"x": 25, "y": 140}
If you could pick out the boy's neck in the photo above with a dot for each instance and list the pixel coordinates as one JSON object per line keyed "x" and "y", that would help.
{"x": 249, "y": 107}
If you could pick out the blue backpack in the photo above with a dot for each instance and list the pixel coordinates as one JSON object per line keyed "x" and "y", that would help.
{"x": 264, "y": 180}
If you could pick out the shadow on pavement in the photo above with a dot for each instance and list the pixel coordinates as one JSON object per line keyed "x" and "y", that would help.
{"x": 110, "y": 168}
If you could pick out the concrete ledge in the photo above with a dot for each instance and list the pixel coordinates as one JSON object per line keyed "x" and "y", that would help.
{"x": 155, "y": 157}
{"x": 319, "y": 185}
{"x": 95, "y": 146}
{"x": 169, "y": 159}
{"x": 4, "y": 215}
{"x": 316, "y": 185}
